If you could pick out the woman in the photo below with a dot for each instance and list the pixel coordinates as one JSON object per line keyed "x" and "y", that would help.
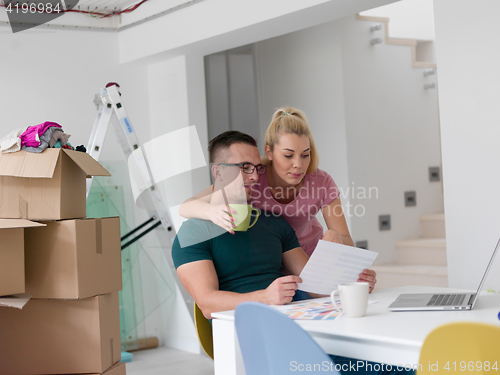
{"x": 294, "y": 187}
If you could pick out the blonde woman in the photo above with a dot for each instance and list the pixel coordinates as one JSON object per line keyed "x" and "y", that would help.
{"x": 295, "y": 187}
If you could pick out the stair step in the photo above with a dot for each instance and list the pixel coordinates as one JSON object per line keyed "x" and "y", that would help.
{"x": 413, "y": 269}
{"x": 395, "y": 275}
{"x": 433, "y": 226}
{"x": 400, "y": 41}
{"x": 432, "y": 217}
{"x": 423, "y": 242}
{"x": 424, "y": 251}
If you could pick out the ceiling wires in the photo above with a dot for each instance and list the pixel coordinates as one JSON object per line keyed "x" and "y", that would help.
{"x": 106, "y": 15}
{"x": 92, "y": 13}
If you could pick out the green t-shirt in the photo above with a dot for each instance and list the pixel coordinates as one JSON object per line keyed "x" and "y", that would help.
{"x": 244, "y": 262}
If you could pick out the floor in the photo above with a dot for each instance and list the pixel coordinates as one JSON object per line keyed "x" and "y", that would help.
{"x": 163, "y": 360}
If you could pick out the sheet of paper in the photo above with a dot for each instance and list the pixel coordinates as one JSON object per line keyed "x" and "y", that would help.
{"x": 332, "y": 264}
{"x": 16, "y": 301}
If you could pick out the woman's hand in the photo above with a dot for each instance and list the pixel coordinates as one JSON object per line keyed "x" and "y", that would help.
{"x": 333, "y": 236}
{"x": 220, "y": 214}
{"x": 368, "y": 276}
{"x": 337, "y": 227}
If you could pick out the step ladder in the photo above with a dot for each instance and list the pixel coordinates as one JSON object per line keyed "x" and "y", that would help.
{"x": 110, "y": 109}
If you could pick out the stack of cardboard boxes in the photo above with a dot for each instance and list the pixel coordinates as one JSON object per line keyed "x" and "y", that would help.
{"x": 71, "y": 267}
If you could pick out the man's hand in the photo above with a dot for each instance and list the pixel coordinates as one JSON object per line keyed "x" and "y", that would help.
{"x": 368, "y": 276}
{"x": 281, "y": 290}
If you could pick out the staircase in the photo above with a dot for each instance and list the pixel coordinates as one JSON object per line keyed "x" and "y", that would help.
{"x": 419, "y": 48}
{"x": 419, "y": 261}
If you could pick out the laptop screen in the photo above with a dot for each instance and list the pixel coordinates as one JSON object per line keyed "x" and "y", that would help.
{"x": 485, "y": 274}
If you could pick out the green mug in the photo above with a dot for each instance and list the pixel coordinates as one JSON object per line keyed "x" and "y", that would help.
{"x": 242, "y": 216}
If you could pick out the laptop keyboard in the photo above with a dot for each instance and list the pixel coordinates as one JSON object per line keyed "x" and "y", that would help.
{"x": 446, "y": 299}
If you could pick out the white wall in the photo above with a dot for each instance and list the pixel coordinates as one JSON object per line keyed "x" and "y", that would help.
{"x": 53, "y": 76}
{"x": 304, "y": 70}
{"x": 392, "y": 137}
{"x": 408, "y": 19}
{"x": 177, "y": 100}
{"x": 468, "y": 59}
{"x": 177, "y": 92}
{"x": 217, "y": 25}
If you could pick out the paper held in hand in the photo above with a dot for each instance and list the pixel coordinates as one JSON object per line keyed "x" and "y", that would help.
{"x": 332, "y": 264}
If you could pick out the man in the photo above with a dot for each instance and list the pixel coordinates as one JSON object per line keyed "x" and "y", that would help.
{"x": 220, "y": 269}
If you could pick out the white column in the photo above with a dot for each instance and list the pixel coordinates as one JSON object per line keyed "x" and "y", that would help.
{"x": 177, "y": 100}
{"x": 468, "y": 59}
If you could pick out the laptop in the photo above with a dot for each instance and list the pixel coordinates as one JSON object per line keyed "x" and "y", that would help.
{"x": 445, "y": 301}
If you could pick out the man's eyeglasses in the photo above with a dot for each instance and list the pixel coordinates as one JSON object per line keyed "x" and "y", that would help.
{"x": 247, "y": 167}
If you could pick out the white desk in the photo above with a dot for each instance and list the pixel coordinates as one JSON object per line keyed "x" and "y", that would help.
{"x": 381, "y": 336}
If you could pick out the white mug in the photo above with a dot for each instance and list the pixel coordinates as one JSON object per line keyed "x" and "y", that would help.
{"x": 354, "y": 299}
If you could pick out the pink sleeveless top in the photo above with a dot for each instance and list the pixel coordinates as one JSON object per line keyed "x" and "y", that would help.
{"x": 318, "y": 191}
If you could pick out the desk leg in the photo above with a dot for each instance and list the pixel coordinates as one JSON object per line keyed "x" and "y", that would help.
{"x": 227, "y": 353}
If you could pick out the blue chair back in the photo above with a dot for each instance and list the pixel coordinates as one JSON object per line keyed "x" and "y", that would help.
{"x": 273, "y": 344}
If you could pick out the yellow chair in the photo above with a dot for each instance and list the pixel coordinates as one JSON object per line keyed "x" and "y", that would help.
{"x": 204, "y": 331}
{"x": 463, "y": 347}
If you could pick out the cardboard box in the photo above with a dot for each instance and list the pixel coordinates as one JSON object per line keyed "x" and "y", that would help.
{"x": 12, "y": 255}
{"x": 61, "y": 337}
{"x": 118, "y": 369}
{"x": 73, "y": 259}
{"x": 46, "y": 186}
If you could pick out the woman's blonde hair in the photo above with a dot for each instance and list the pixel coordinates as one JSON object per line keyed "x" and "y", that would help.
{"x": 291, "y": 121}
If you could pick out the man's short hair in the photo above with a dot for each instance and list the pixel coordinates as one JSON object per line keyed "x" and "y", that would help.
{"x": 224, "y": 140}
